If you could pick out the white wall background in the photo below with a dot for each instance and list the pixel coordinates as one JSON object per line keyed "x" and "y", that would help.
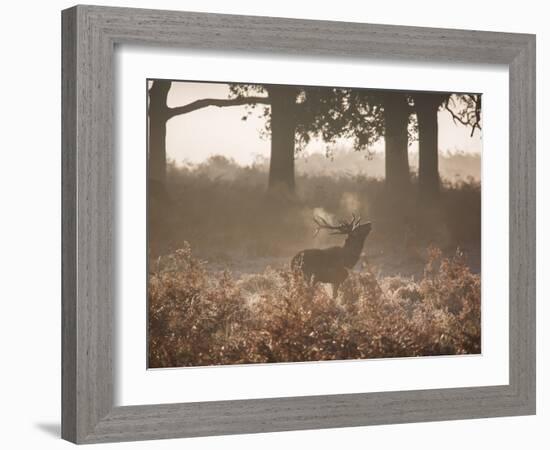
{"x": 31, "y": 238}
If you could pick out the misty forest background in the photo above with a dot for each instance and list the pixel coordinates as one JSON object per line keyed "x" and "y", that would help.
{"x": 221, "y": 234}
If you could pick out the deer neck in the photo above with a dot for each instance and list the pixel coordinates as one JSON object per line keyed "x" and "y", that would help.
{"x": 352, "y": 250}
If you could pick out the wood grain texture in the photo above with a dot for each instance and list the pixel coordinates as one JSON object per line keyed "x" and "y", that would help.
{"x": 88, "y": 208}
{"x": 68, "y": 226}
{"x": 89, "y": 36}
{"x": 523, "y": 224}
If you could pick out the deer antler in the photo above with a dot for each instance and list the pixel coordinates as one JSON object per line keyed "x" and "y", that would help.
{"x": 323, "y": 224}
{"x": 343, "y": 227}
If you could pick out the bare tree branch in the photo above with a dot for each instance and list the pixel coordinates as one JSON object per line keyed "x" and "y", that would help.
{"x": 475, "y": 121}
{"x": 456, "y": 118}
{"x": 205, "y": 102}
{"x": 477, "y": 100}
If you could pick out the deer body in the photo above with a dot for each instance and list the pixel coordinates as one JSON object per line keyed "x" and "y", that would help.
{"x": 331, "y": 265}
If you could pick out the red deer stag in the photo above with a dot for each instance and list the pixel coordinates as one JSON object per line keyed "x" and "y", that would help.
{"x": 331, "y": 265}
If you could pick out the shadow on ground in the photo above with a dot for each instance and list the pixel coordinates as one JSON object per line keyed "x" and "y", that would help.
{"x": 53, "y": 429}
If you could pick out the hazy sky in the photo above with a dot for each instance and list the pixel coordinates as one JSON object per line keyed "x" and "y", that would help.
{"x": 195, "y": 136}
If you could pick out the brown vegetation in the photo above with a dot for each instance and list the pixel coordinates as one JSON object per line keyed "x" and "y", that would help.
{"x": 236, "y": 300}
{"x": 199, "y": 317}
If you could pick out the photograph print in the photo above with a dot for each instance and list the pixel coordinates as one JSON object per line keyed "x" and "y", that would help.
{"x": 292, "y": 223}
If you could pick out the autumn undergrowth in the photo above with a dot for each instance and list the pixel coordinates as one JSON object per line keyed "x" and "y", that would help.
{"x": 200, "y": 317}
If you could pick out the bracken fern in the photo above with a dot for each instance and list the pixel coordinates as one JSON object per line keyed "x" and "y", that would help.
{"x": 198, "y": 317}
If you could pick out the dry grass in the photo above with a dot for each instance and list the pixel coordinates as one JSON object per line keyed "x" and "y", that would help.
{"x": 198, "y": 317}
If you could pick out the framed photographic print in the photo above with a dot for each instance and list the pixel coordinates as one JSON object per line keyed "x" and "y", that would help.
{"x": 278, "y": 224}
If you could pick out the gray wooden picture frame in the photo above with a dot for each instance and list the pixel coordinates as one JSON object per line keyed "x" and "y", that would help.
{"x": 90, "y": 34}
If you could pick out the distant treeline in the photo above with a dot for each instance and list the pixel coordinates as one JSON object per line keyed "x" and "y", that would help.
{"x": 453, "y": 166}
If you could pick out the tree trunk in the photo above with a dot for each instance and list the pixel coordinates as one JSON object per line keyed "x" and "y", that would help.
{"x": 396, "y": 114}
{"x": 427, "y": 106}
{"x": 158, "y": 115}
{"x": 283, "y": 129}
